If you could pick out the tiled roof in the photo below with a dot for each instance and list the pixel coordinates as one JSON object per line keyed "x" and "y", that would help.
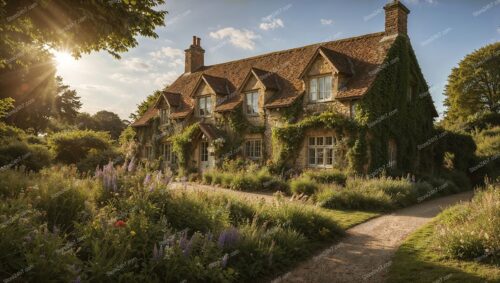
{"x": 173, "y": 99}
{"x": 357, "y": 56}
{"x": 268, "y": 79}
{"x": 210, "y": 131}
{"x": 148, "y": 115}
{"x": 219, "y": 85}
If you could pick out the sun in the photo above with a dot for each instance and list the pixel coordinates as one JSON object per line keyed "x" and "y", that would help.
{"x": 63, "y": 59}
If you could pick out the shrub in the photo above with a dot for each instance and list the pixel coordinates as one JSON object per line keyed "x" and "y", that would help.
{"x": 73, "y": 146}
{"x": 472, "y": 230}
{"x": 327, "y": 176}
{"x": 303, "y": 185}
{"x": 15, "y": 153}
{"x": 98, "y": 158}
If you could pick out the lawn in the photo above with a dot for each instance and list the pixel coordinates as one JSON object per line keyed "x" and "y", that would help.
{"x": 460, "y": 245}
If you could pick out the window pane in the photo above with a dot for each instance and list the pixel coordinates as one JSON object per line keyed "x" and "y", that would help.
{"x": 328, "y": 140}
{"x": 321, "y": 88}
{"x": 209, "y": 105}
{"x": 255, "y": 102}
{"x": 319, "y": 141}
{"x": 328, "y": 87}
{"x": 329, "y": 156}
{"x": 312, "y": 141}
{"x": 314, "y": 89}
{"x": 312, "y": 156}
{"x": 257, "y": 149}
{"x": 249, "y": 103}
{"x": 319, "y": 157}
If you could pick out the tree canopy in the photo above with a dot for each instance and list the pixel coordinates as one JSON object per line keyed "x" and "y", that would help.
{"x": 474, "y": 86}
{"x": 145, "y": 104}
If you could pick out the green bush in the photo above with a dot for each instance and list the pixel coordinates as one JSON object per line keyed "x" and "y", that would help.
{"x": 252, "y": 179}
{"x": 73, "y": 146}
{"x": 330, "y": 176}
{"x": 472, "y": 230}
{"x": 99, "y": 158}
{"x": 14, "y": 153}
{"x": 303, "y": 185}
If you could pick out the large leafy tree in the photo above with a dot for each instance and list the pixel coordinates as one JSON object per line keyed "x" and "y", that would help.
{"x": 474, "y": 86}
{"x": 109, "y": 122}
{"x": 29, "y": 29}
{"x": 67, "y": 102}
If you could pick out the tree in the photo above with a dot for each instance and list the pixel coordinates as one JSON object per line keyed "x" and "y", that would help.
{"x": 145, "y": 104}
{"x": 29, "y": 29}
{"x": 5, "y": 106}
{"x": 474, "y": 86}
{"x": 109, "y": 122}
{"x": 67, "y": 103}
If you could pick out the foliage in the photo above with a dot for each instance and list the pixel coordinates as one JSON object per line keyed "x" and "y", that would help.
{"x": 487, "y": 141}
{"x": 181, "y": 144}
{"x": 143, "y": 230}
{"x": 6, "y": 105}
{"x": 289, "y": 138}
{"x": 419, "y": 255}
{"x": 251, "y": 179}
{"x": 66, "y": 103}
{"x": 383, "y": 194}
{"x": 327, "y": 176}
{"x": 472, "y": 230}
{"x": 145, "y": 105}
{"x": 14, "y": 152}
{"x": 474, "y": 86}
{"x": 303, "y": 185}
{"x": 73, "y": 146}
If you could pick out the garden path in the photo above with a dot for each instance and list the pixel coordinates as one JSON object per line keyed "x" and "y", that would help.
{"x": 364, "y": 255}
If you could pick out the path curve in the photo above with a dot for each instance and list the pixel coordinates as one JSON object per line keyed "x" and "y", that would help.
{"x": 364, "y": 255}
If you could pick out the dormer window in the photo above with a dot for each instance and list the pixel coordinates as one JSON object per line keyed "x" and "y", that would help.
{"x": 320, "y": 88}
{"x": 164, "y": 115}
{"x": 252, "y": 102}
{"x": 204, "y": 106}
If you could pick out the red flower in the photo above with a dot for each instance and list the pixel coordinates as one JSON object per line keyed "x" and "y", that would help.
{"x": 120, "y": 223}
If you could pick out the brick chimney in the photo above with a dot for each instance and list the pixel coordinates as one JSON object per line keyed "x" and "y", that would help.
{"x": 195, "y": 57}
{"x": 396, "y": 18}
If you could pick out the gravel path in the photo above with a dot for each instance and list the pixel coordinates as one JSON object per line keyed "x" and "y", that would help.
{"x": 364, "y": 255}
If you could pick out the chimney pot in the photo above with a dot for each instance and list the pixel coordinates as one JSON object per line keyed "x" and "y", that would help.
{"x": 194, "y": 40}
{"x": 198, "y": 42}
{"x": 396, "y": 18}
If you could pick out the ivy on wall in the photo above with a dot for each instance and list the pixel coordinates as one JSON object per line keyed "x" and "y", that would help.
{"x": 181, "y": 143}
{"x": 289, "y": 138}
{"x": 293, "y": 112}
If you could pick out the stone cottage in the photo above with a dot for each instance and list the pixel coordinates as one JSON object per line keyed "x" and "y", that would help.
{"x": 233, "y": 108}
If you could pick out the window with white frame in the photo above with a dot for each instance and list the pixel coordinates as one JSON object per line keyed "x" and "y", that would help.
{"x": 252, "y": 99}
{"x": 204, "y": 151}
{"x": 320, "y": 151}
{"x": 253, "y": 149}
{"x": 168, "y": 153}
{"x": 320, "y": 88}
{"x": 204, "y": 106}
{"x": 164, "y": 115}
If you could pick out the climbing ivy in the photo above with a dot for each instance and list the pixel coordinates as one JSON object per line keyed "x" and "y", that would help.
{"x": 181, "y": 144}
{"x": 288, "y": 139}
{"x": 293, "y": 112}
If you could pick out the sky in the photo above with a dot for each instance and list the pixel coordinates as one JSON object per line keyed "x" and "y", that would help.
{"x": 442, "y": 32}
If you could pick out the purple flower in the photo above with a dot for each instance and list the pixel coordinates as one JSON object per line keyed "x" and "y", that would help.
{"x": 228, "y": 237}
{"x": 147, "y": 179}
{"x": 77, "y": 280}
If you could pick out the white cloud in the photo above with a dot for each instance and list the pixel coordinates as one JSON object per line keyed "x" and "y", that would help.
{"x": 239, "y": 38}
{"x": 136, "y": 64}
{"x": 272, "y": 24}
{"x": 326, "y": 22}
{"x": 420, "y": 1}
{"x": 163, "y": 79}
{"x": 167, "y": 52}
{"x": 124, "y": 78}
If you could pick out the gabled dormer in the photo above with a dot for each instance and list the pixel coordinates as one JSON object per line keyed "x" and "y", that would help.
{"x": 207, "y": 91}
{"x": 257, "y": 88}
{"x": 167, "y": 103}
{"x": 325, "y": 74}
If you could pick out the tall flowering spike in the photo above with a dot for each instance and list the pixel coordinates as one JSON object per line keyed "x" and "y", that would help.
{"x": 147, "y": 179}
{"x": 224, "y": 261}
{"x": 155, "y": 252}
{"x": 132, "y": 165}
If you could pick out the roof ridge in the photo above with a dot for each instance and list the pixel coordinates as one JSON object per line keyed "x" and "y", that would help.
{"x": 292, "y": 49}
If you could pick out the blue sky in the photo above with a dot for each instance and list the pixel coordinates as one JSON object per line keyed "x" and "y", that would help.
{"x": 442, "y": 33}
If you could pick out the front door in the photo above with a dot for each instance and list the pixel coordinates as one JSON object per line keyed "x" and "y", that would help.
{"x": 206, "y": 158}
